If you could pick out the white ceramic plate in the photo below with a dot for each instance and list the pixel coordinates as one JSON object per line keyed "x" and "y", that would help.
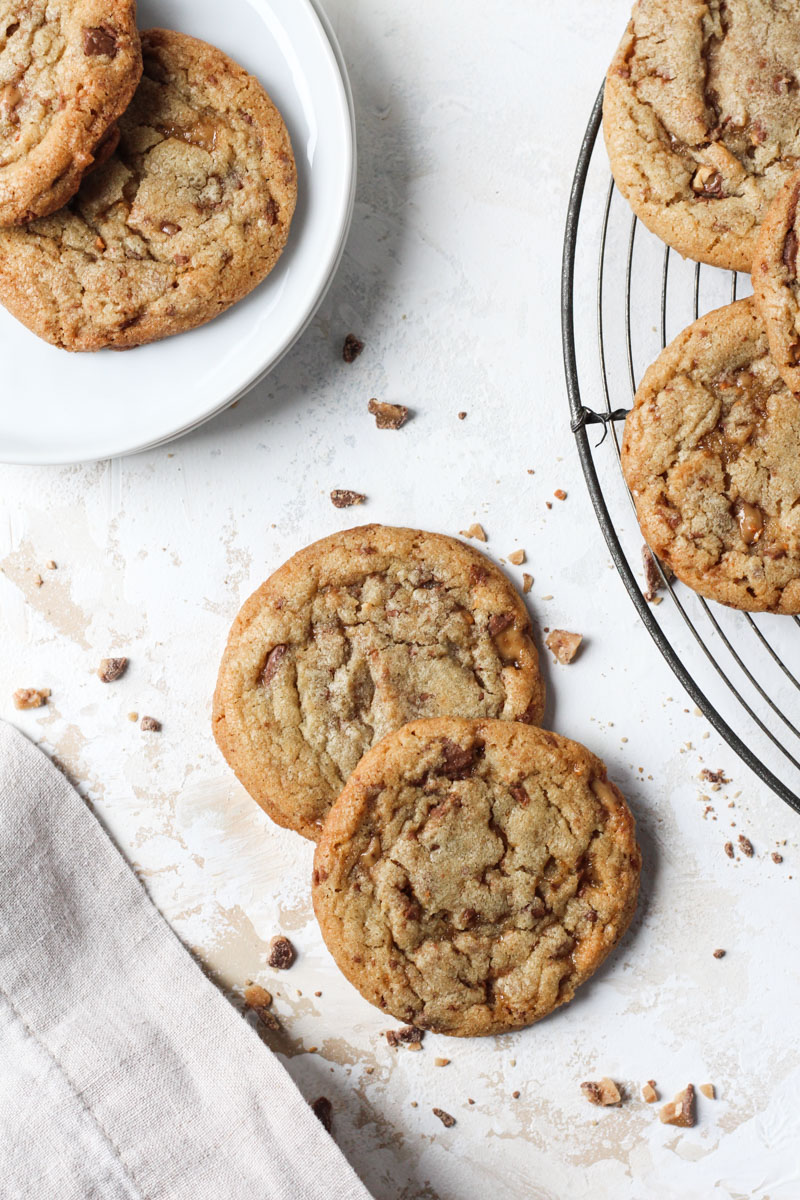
{"x": 57, "y": 407}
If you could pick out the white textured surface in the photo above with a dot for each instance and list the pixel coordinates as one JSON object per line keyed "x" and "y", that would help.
{"x": 469, "y": 124}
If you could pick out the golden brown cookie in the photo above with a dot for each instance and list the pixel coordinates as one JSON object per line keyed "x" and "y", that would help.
{"x": 702, "y": 120}
{"x": 186, "y": 217}
{"x": 473, "y": 874}
{"x": 68, "y": 70}
{"x": 711, "y": 453}
{"x": 775, "y": 283}
{"x": 353, "y": 637}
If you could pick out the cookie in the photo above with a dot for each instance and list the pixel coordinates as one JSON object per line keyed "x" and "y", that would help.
{"x": 353, "y": 637}
{"x": 68, "y": 70}
{"x": 710, "y": 453}
{"x": 188, "y": 214}
{"x": 473, "y": 874}
{"x": 775, "y": 283}
{"x": 702, "y": 120}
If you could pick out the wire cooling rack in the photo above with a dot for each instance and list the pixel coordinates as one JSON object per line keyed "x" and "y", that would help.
{"x": 624, "y": 296}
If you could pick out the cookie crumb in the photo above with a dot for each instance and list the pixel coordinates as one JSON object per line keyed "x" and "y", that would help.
{"x": 719, "y": 954}
{"x": 387, "y": 416}
{"x": 258, "y": 999}
{"x": 653, "y": 582}
{"x": 51, "y": 566}
{"x": 281, "y": 953}
{"x": 729, "y": 849}
{"x": 470, "y": 1100}
{"x": 517, "y": 557}
{"x": 515, "y": 1095}
{"x": 441, "y": 1062}
{"x": 680, "y": 1111}
{"x": 444, "y": 1117}
{"x": 407, "y": 1035}
{"x": 604, "y": 1092}
{"x": 323, "y": 1111}
{"x": 746, "y": 846}
{"x": 318, "y": 994}
{"x": 715, "y": 778}
{"x": 31, "y": 697}
{"x": 111, "y": 669}
{"x": 38, "y": 581}
{"x": 708, "y": 1090}
{"x": 564, "y": 645}
{"x": 133, "y": 716}
{"x": 649, "y": 1093}
{"x": 462, "y": 416}
{"x": 344, "y": 498}
{"x": 560, "y": 494}
{"x": 776, "y": 857}
{"x": 474, "y": 531}
{"x": 150, "y": 725}
{"x": 352, "y": 348}
{"x": 527, "y": 582}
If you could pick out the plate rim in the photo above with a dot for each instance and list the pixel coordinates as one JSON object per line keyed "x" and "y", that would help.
{"x": 349, "y": 152}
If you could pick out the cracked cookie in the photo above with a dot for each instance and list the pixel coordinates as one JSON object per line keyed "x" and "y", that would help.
{"x": 186, "y": 217}
{"x": 68, "y": 70}
{"x": 702, "y": 120}
{"x": 775, "y": 281}
{"x": 710, "y": 453}
{"x": 353, "y": 637}
{"x": 473, "y": 874}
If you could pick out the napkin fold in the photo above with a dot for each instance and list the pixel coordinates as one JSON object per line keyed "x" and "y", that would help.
{"x": 124, "y": 1073}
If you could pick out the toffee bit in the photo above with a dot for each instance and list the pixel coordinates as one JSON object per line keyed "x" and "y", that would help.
{"x": 719, "y": 954}
{"x": 387, "y": 416}
{"x": 653, "y": 582}
{"x": 746, "y": 846}
{"x": 352, "y": 348}
{"x": 604, "y": 1092}
{"x": 111, "y": 669}
{"x": 31, "y": 697}
{"x": 709, "y": 1091}
{"x": 407, "y": 1035}
{"x": 344, "y": 498}
{"x": 38, "y": 581}
{"x": 527, "y": 582}
{"x": 441, "y": 1062}
{"x": 776, "y": 857}
{"x": 281, "y": 953}
{"x": 462, "y": 416}
{"x": 517, "y": 557}
{"x": 258, "y": 1000}
{"x": 729, "y": 849}
{"x": 475, "y": 531}
{"x": 560, "y": 494}
{"x": 680, "y": 1111}
{"x": 323, "y": 1111}
{"x": 715, "y": 778}
{"x": 51, "y": 566}
{"x": 444, "y": 1117}
{"x": 649, "y": 1093}
{"x": 564, "y": 645}
{"x": 150, "y": 725}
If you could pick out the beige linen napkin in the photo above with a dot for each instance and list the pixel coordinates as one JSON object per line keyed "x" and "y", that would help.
{"x": 124, "y": 1073}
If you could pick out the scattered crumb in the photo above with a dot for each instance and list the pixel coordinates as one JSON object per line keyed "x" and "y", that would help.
{"x": 281, "y": 953}
{"x": 408, "y": 1035}
{"x": 462, "y": 416}
{"x": 719, "y": 954}
{"x": 414, "y": 1046}
{"x": 387, "y": 416}
{"x": 111, "y": 669}
{"x": 323, "y": 1111}
{"x": 563, "y": 645}
{"x": 652, "y": 577}
{"x": 38, "y": 581}
{"x": 605, "y": 1092}
{"x": 746, "y": 846}
{"x": 515, "y": 1095}
{"x": 51, "y": 566}
{"x": 470, "y": 1100}
{"x": 317, "y": 994}
{"x": 368, "y": 1070}
{"x": 31, "y": 697}
{"x": 474, "y": 531}
{"x": 352, "y": 348}
{"x": 680, "y": 1111}
{"x": 344, "y": 498}
{"x": 258, "y": 999}
{"x": 150, "y": 725}
{"x": 560, "y": 494}
{"x": 517, "y": 557}
{"x": 708, "y": 1091}
{"x": 776, "y": 857}
{"x": 441, "y": 1062}
{"x": 527, "y": 582}
{"x": 414, "y": 1104}
{"x": 548, "y": 504}
{"x": 715, "y": 778}
{"x": 649, "y": 1092}
{"x": 444, "y": 1117}
{"x": 729, "y": 849}
{"x": 313, "y": 1049}
{"x": 133, "y": 716}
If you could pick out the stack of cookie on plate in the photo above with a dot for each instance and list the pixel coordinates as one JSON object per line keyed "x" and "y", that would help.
{"x": 146, "y": 184}
{"x": 381, "y": 694}
{"x": 702, "y": 123}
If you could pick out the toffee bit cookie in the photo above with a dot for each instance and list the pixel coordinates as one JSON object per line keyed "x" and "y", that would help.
{"x": 353, "y": 637}
{"x": 710, "y": 455}
{"x": 188, "y": 214}
{"x": 68, "y": 70}
{"x": 702, "y": 121}
{"x": 775, "y": 281}
{"x": 473, "y": 874}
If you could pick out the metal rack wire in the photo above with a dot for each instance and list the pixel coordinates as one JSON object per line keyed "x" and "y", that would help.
{"x": 742, "y": 671}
